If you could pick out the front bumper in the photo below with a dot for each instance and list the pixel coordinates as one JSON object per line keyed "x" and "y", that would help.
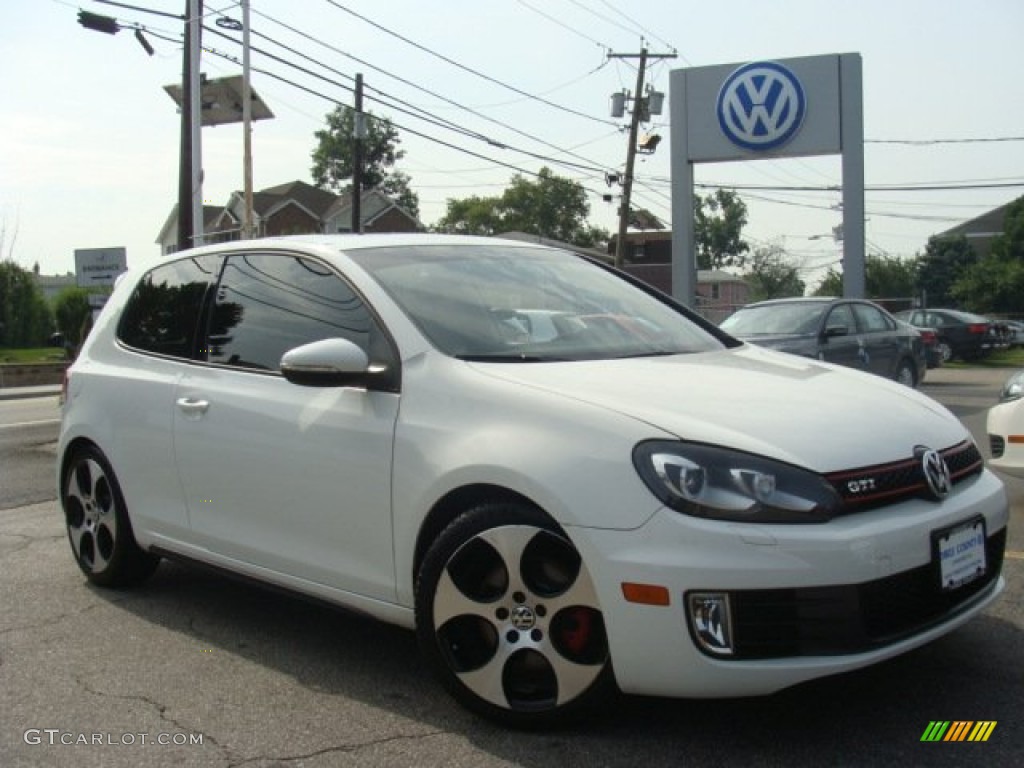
{"x": 1005, "y": 427}
{"x": 809, "y": 600}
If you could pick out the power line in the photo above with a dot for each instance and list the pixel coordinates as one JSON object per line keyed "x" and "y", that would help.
{"x": 930, "y": 142}
{"x": 639, "y": 26}
{"x": 420, "y": 134}
{"x": 419, "y": 114}
{"x": 465, "y": 68}
{"x": 562, "y": 24}
{"x": 594, "y": 167}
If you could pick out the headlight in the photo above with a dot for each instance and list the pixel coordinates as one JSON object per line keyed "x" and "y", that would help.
{"x": 722, "y": 484}
{"x": 1014, "y": 388}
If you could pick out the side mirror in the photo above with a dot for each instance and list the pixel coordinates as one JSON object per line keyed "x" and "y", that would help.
{"x": 327, "y": 363}
{"x": 836, "y": 330}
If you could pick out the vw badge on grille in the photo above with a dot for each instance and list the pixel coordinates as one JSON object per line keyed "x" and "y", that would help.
{"x": 936, "y": 472}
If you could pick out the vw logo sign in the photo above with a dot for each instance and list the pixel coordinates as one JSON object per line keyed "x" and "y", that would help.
{"x": 936, "y": 472}
{"x": 761, "y": 106}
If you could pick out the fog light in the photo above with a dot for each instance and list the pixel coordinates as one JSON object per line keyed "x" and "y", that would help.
{"x": 709, "y": 621}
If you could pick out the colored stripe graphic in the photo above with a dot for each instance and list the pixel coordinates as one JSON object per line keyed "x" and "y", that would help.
{"x": 982, "y": 730}
{"x": 959, "y": 730}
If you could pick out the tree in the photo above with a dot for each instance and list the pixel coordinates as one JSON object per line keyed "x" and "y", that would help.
{"x": 718, "y": 230}
{"x": 1010, "y": 244}
{"x": 996, "y": 283}
{"x": 890, "y": 277}
{"x": 71, "y": 308}
{"x": 550, "y": 206}
{"x": 771, "y": 276}
{"x": 333, "y": 158}
{"x": 885, "y": 277}
{"x": 943, "y": 263}
{"x": 25, "y": 319}
{"x": 831, "y": 284}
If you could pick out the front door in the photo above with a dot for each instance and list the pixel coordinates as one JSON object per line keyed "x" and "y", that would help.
{"x": 285, "y": 478}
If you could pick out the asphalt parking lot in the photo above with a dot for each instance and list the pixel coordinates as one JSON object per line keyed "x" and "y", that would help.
{"x": 198, "y": 670}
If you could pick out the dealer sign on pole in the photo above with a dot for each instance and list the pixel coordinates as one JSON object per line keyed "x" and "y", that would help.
{"x": 798, "y": 107}
{"x": 99, "y": 266}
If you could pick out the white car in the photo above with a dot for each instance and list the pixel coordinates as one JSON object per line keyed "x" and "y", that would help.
{"x": 1006, "y": 428}
{"x": 630, "y": 499}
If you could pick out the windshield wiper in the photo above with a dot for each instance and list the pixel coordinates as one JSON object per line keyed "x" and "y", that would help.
{"x": 506, "y": 358}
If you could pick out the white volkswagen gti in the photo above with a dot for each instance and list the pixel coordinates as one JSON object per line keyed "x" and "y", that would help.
{"x": 1005, "y": 427}
{"x": 563, "y": 481}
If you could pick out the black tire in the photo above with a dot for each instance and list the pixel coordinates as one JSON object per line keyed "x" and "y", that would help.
{"x": 96, "y": 517}
{"x": 524, "y": 646}
{"x": 906, "y": 373}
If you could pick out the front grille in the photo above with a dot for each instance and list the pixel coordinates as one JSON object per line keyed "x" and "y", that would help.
{"x": 829, "y": 621}
{"x": 882, "y": 484}
{"x": 997, "y": 444}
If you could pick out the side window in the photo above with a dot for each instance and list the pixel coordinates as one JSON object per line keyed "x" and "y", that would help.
{"x": 871, "y": 319}
{"x": 841, "y": 316}
{"x": 164, "y": 313}
{"x": 269, "y": 303}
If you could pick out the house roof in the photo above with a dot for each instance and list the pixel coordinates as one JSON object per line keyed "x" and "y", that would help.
{"x": 316, "y": 201}
{"x": 372, "y": 205}
{"x": 987, "y": 225}
{"x": 210, "y": 215}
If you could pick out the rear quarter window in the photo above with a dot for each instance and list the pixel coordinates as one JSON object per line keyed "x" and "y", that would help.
{"x": 164, "y": 313}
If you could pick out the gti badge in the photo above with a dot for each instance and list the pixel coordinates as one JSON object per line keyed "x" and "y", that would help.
{"x": 761, "y": 106}
{"x": 936, "y": 472}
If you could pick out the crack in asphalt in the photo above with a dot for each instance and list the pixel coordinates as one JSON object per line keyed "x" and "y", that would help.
{"x": 60, "y": 617}
{"x": 26, "y": 541}
{"x": 342, "y": 749}
{"x": 161, "y": 710}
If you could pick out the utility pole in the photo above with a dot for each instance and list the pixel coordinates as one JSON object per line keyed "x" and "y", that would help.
{"x": 247, "y": 221}
{"x": 640, "y": 107}
{"x": 190, "y": 174}
{"x": 195, "y": 26}
{"x": 185, "y": 150}
{"x": 359, "y": 133}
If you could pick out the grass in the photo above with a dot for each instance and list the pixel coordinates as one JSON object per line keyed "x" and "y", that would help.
{"x": 1003, "y": 358}
{"x": 37, "y": 355}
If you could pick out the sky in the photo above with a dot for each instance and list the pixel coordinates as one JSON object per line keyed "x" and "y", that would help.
{"x": 90, "y": 140}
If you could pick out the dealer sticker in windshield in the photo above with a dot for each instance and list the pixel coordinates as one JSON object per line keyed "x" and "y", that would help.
{"x": 961, "y": 553}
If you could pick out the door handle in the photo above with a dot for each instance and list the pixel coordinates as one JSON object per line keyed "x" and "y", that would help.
{"x": 192, "y": 406}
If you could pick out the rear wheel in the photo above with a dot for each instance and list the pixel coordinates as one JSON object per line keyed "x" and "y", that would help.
{"x": 906, "y": 373}
{"x": 508, "y": 618}
{"x": 945, "y": 350}
{"x": 99, "y": 530}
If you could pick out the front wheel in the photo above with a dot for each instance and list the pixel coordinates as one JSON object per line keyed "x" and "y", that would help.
{"x": 99, "y": 530}
{"x": 508, "y": 618}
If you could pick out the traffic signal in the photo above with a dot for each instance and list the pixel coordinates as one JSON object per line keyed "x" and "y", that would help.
{"x": 98, "y": 23}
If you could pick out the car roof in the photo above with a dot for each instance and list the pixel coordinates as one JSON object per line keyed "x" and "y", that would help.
{"x": 806, "y": 300}
{"x": 353, "y": 242}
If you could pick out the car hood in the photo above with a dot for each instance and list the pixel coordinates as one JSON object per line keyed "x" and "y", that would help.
{"x": 794, "y": 409}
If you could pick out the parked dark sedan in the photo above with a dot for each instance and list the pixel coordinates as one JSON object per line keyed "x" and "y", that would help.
{"x": 851, "y": 332}
{"x": 961, "y": 334}
{"x": 930, "y": 340}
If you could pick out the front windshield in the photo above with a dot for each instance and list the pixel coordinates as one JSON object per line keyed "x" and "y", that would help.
{"x": 775, "y": 319}
{"x": 508, "y": 303}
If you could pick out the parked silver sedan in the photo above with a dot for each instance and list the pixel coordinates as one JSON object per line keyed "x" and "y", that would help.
{"x": 851, "y": 332}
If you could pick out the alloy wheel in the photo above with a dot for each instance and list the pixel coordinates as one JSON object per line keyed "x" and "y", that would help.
{"x": 90, "y": 508}
{"x": 517, "y": 620}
